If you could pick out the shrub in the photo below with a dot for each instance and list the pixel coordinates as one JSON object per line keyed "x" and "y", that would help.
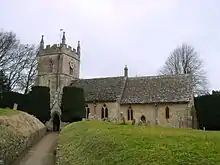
{"x": 10, "y": 98}
{"x": 39, "y": 103}
{"x": 73, "y": 104}
{"x": 208, "y": 114}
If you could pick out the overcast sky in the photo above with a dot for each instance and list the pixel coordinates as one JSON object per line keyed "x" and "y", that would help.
{"x": 113, "y": 33}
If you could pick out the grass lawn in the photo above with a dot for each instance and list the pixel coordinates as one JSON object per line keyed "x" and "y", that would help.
{"x": 6, "y": 112}
{"x": 99, "y": 143}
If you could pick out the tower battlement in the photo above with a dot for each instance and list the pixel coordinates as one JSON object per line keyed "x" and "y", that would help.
{"x": 59, "y": 48}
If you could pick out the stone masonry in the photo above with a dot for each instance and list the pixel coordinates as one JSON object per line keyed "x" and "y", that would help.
{"x": 58, "y": 65}
{"x": 146, "y": 97}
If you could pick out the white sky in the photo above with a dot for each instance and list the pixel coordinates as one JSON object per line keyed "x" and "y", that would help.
{"x": 113, "y": 33}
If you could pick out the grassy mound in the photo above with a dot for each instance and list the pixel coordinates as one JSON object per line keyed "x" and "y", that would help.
{"x": 8, "y": 112}
{"x": 96, "y": 143}
{"x": 17, "y": 132}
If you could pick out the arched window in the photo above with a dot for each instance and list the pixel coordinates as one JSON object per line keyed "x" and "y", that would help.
{"x": 130, "y": 113}
{"x": 104, "y": 112}
{"x": 167, "y": 111}
{"x": 51, "y": 66}
{"x": 71, "y": 66}
{"x": 87, "y": 111}
{"x": 71, "y": 71}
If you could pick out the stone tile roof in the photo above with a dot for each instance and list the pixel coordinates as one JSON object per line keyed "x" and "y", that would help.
{"x": 101, "y": 89}
{"x": 156, "y": 89}
{"x": 132, "y": 90}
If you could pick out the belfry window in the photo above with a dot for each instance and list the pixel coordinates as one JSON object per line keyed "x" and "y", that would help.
{"x": 51, "y": 66}
{"x": 167, "y": 112}
{"x": 71, "y": 71}
{"x": 71, "y": 66}
{"x": 104, "y": 112}
{"x": 130, "y": 113}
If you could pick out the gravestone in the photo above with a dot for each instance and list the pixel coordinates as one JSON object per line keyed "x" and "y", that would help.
{"x": 15, "y": 107}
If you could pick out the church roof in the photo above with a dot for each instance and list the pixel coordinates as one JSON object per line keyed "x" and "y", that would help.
{"x": 157, "y": 89}
{"x": 101, "y": 89}
{"x": 136, "y": 90}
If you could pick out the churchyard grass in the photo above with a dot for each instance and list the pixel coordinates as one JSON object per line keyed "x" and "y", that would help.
{"x": 6, "y": 112}
{"x": 103, "y": 143}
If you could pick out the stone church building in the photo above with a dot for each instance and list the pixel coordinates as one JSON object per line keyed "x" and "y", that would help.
{"x": 159, "y": 100}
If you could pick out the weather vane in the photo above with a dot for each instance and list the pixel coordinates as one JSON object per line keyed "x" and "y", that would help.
{"x": 61, "y": 35}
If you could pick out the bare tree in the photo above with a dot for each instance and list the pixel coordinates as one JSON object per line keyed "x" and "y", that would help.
{"x": 22, "y": 70}
{"x": 18, "y": 61}
{"x": 8, "y": 43}
{"x": 4, "y": 85}
{"x": 28, "y": 75}
{"x": 185, "y": 60}
{"x": 14, "y": 68}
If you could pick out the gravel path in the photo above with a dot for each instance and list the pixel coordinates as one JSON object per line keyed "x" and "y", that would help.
{"x": 42, "y": 153}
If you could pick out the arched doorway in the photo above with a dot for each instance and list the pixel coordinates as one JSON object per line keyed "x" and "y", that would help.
{"x": 56, "y": 122}
{"x": 143, "y": 119}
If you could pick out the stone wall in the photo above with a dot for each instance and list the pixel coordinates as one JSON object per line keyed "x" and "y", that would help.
{"x": 65, "y": 63}
{"x": 113, "y": 109}
{"x": 54, "y": 68}
{"x": 179, "y": 114}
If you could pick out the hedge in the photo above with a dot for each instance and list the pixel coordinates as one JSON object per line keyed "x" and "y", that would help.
{"x": 10, "y": 98}
{"x": 73, "y": 104}
{"x": 208, "y": 111}
{"x": 36, "y": 103}
{"x": 39, "y": 103}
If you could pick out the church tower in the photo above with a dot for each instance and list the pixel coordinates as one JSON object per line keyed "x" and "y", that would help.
{"x": 58, "y": 65}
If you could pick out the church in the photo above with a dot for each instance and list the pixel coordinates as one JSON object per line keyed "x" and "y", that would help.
{"x": 160, "y": 100}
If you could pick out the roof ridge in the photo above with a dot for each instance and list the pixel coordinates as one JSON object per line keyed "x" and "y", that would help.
{"x": 161, "y": 76}
{"x": 97, "y": 78}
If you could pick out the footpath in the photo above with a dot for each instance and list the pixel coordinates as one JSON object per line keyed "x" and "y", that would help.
{"x": 41, "y": 153}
